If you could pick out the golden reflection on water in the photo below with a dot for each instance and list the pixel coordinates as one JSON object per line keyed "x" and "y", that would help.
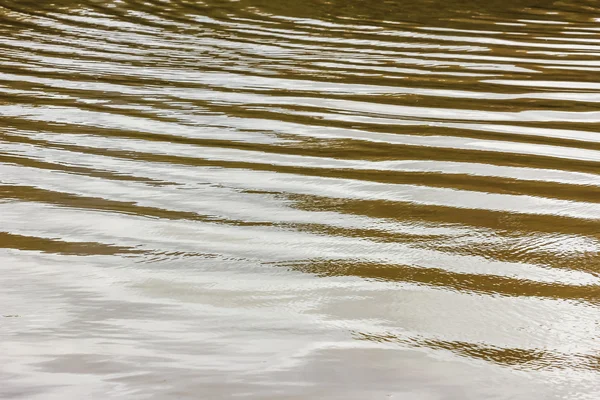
{"x": 338, "y": 199}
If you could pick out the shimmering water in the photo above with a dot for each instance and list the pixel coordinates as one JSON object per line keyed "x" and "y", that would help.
{"x": 279, "y": 199}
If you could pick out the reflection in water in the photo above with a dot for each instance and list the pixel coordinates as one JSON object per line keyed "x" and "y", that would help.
{"x": 338, "y": 199}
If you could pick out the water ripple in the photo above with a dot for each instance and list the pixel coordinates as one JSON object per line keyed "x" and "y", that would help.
{"x": 320, "y": 199}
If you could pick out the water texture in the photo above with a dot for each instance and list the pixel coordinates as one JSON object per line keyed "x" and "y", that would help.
{"x": 281, "y": 199}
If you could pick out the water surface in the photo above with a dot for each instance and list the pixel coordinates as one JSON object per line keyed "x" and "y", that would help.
{"x": 278, "y": 199}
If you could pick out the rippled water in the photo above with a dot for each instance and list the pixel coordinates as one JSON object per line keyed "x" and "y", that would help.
{"x": 279, "y": 199}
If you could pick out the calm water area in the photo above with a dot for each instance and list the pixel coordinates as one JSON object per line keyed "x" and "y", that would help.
{"x": 298, "y": 200}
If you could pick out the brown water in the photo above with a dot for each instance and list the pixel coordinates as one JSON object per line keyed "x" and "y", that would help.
{"x": 281, "y": 199}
